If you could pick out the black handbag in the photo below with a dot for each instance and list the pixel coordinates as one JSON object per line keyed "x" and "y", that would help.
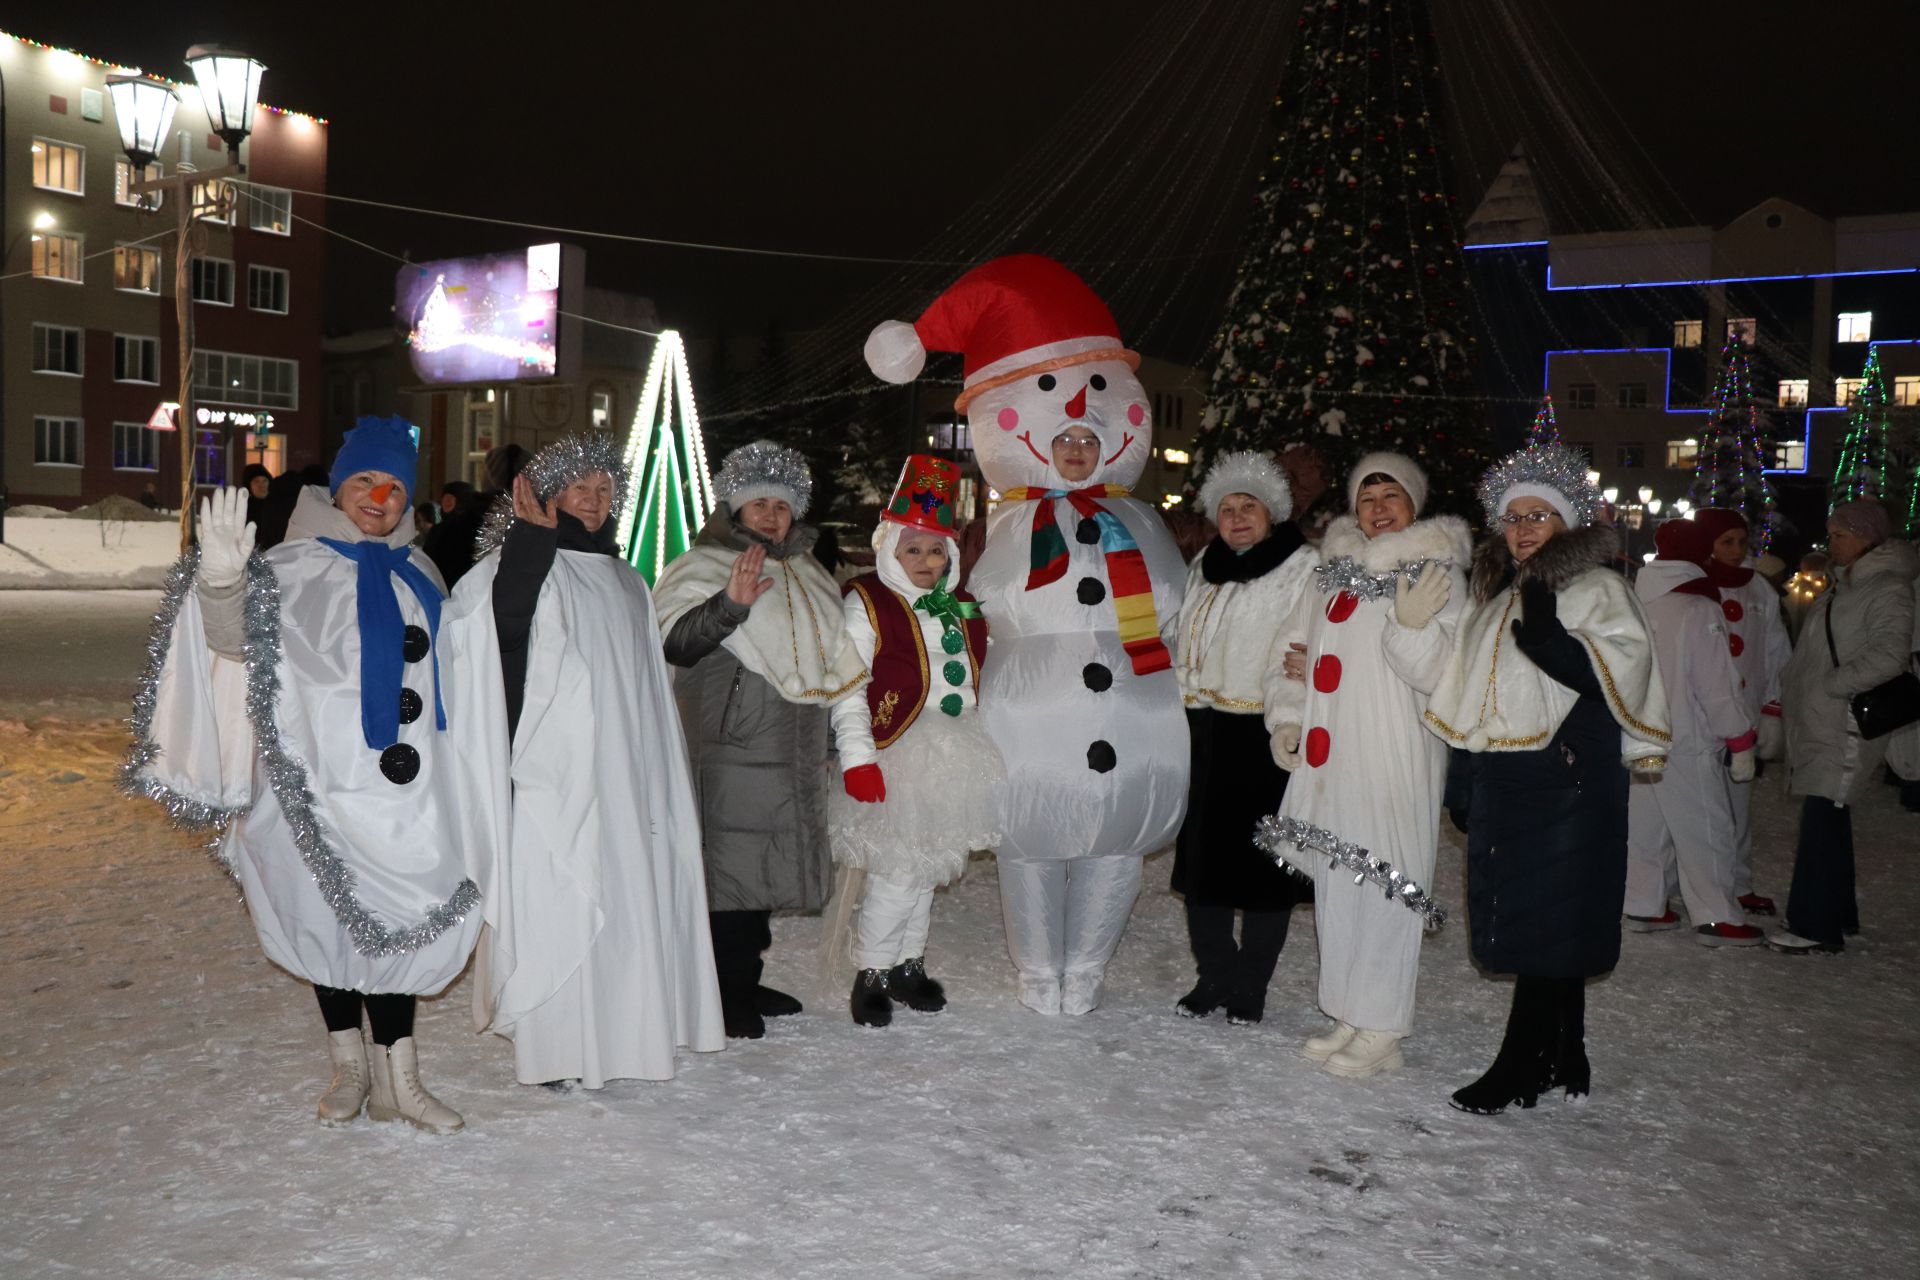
{"x": 1892, "y": 705}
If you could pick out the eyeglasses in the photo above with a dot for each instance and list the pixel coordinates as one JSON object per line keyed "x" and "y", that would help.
{"x": 1532, "y": 517}
{"x": 1075, "y": 442}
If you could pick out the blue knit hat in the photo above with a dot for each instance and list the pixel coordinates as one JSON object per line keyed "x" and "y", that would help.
{"x": 377, "y": 444}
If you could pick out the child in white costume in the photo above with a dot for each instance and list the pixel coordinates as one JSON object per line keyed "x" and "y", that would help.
{"x": 920, "y": 779}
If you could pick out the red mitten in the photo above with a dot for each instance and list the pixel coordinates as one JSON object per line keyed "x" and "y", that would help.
{"x": 865, "y": 783}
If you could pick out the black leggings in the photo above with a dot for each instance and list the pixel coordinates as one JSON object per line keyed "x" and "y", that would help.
{"x": 391, "y": 1017}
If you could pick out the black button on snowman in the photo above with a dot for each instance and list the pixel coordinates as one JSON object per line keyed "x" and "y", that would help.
{"x": 400, "y": 763}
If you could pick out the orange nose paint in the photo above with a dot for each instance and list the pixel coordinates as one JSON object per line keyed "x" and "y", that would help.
{"x": 380, "y": 492}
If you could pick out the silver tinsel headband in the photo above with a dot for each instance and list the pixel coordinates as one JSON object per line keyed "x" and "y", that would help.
{"x": 1551, "y": 466}
{"x": 551, "y": 470}
{"x": 1277, "y": 835}
{"x": 765, "y": 465}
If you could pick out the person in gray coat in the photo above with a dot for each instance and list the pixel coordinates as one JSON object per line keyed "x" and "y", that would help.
{"x": 753, "y": 622}
{"x": 1856, "y": 636}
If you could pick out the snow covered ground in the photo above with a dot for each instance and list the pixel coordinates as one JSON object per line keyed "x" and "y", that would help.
{"x": 1753, "y": 1115}
{"x": 54, "y": 552}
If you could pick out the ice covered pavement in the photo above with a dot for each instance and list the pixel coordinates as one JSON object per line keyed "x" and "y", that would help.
{"x": 1753, "y": 1115}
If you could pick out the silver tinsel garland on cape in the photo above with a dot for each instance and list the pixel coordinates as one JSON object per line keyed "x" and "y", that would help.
{"x": 551, "y": 470}
{"x": 764, "y": 462}
{"x": 1552, "y": 465}
{"x": 1275, "y": 834}
{"x": 1343, "y": 573}
{"x": 285, "y": 774}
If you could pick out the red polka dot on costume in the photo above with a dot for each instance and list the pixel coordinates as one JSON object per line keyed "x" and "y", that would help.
{"x": 1326, "y": 673}
{"x": 1735, "y": 645}
{"x": 1341, "y": 607}
{"x": 1733, "y": 610}
{"x": 1319, "y": 746}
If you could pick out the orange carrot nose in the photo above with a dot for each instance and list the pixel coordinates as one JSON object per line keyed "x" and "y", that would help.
{"x": 379, "y": 493}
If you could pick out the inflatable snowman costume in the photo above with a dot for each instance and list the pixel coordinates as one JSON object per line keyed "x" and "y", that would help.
{"x": 1077, "y": 689}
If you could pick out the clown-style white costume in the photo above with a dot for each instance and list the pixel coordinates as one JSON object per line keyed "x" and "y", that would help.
{"x": 1079, "y": 579}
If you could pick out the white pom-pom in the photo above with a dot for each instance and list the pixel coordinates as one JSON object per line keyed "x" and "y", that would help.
{"x": 894, "y": 352}
{"x": 1477, "y": 741}
{"x": 793, "y": 684}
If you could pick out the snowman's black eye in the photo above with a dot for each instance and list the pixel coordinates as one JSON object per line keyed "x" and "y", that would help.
{"x": 1097, "y": 382}
{"x": 1048, "y": 382}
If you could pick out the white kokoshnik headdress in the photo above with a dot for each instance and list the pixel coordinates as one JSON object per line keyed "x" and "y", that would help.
{"x": 764, "y": 469}
{"x": 1553, "y": 473}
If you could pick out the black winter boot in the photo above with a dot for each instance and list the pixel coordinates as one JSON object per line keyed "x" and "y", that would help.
{"x": 1571, "y": 1070}
{"x": 908, "y": 983}
{"x": 1202, "y": 1000}
{"x": 871, "y": 1007}
{"x": 769, "y": 1003}
{"x": 1523, "y": 1069}
{"x": 743, "y": 1021}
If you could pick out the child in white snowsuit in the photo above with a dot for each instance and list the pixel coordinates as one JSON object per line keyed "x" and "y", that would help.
{"x": 921, "y": 779}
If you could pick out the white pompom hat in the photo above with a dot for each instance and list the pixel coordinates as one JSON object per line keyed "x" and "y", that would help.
{"x": 1250, "y": 473}
{"x": 1398, "y": 465}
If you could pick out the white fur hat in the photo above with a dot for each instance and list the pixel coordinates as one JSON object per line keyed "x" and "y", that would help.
{"x": 1249, "y": 473}
{"x": 1397, "y": 465}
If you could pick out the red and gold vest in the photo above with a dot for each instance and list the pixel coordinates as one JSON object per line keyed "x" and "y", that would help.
{"x": 901, "y": 676}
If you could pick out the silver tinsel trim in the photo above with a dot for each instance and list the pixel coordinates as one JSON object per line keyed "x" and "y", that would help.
{"x": 1343, "y": 573}
{"x": 1553, "y": 465}
{"x": 765, "y": 463}
{"x": 184, "y": 811}
{"x": 551, "y": 470}
{"x": 1276, "y": 834}
{"x": 288, "y": 778}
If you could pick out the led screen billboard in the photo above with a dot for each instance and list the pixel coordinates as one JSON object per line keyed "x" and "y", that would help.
{"x": 494, "y": 318}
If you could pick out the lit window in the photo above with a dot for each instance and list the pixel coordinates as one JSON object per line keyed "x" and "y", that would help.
{"x": 1687, "y": 333}
{"x": 600, "y": 415}
{"x": 270, "y": 209}
{"x": 1855, "y": 326}
{"x": 1743, "y": 330}
{"x": 136, "y": 359}
{"x": 1630, "y": 455}
{"x": 57, "y": 257}
{"x": 1632, "y": 395}
{"x": 1906, "y": 391}
{"x": 137, "y": 268}
{"x": 267, "y": 289}
{"x": 212, "y": 281}
{"x": 210, "y": 202}
{"x": 56, "y": 442}
{"x": 123, "y": 179}
{"x": 1845, "y": 389}
{"x": 1682, "y": 453}
{"x": 1793, "y": 393}
{"x": 226, "y": 377}
{"x": 269, "y": 449}
{"x": 56, "y": 349}
{"x": 136, "y": 447}
{"x": 209, "y": 458}
{"x": 59, "y": 166}
{"x": 1790, "y": 455}
{"x": 1581, "y": 395}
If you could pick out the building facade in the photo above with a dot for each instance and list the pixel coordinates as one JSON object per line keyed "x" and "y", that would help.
{"x": 89, "y": 345}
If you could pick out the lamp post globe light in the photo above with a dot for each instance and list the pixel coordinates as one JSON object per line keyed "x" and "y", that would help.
{"x": 143, "y": 109}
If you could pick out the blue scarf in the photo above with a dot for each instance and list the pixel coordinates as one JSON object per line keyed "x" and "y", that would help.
{"x": 383, "y": 635}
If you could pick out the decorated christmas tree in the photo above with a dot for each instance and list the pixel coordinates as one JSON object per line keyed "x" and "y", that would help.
{"x": 1348, "y": 326}
{"x": 1730, "y": 468}
{"x": 672, "y": 490}
{"x": 1865, "y": 454}
{"x": 1546, "y": 428}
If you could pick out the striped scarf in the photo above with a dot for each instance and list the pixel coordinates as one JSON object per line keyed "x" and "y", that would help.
{"x": 1126, "y": 568}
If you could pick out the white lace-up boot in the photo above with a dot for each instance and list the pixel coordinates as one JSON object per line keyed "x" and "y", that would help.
{"x": 1367, "y": 1054}
{"x": 1320, "y": 1048}
{"x": 399, "y": 1095}
{"x": 342, "y": 1101}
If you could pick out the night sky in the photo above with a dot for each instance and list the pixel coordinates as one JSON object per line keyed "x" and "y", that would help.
{"x": 869, "y": 130}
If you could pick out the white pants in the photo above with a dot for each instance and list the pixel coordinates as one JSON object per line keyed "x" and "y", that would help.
{"x": 893, "y": 921}
{"x": 1742, "y": 837}
{"x": 1065, "y": 916}
{"x": 1681, "y": 830}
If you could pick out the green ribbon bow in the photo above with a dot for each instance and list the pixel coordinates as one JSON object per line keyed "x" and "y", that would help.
{"x": 949, "y": 609}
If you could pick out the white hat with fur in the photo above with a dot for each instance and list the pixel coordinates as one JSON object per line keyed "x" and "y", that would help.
{"x": 1398, "y": 465}
{"x": 1249, "y": 473}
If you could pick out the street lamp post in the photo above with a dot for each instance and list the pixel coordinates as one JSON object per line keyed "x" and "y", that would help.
{"x": 143, "y": 108}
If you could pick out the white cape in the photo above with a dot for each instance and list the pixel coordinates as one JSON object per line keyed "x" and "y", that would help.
{"x": 597, "y": 961}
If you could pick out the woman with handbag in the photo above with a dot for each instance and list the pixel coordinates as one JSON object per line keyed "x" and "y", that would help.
{"x": 1856, "y": 642}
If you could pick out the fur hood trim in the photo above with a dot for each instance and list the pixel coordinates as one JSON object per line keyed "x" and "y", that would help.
{"x": 1563, "y": 559}
{"x": 1435, "y": 538}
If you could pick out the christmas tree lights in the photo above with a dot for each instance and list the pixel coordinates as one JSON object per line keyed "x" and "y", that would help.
{"x": 1730, "y": 469}
{"x": 1348, "y": 325}
{"x": 670, "y": 491}
{"x": 1865, "y": 453}
{"x": 1546, "y": 428}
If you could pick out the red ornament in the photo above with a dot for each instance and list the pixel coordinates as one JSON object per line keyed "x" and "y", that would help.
{"x": 1326, "y": 673}
{"x": 1341, "y": 607}
{"x": 1319, "y": 746}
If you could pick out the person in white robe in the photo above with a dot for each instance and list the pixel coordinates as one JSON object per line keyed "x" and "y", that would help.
{"x": 295, "y": 698}
{"x": 596, "y": 960}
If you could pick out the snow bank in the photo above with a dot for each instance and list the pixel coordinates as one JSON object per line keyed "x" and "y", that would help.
{"x": 88, "y": 552}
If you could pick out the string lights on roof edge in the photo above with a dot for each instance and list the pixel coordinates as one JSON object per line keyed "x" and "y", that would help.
{"x": 124, "y": 69}
{"x": 666, "y": 465}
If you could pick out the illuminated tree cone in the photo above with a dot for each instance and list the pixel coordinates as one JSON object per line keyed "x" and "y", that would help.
{"x": 1349, "y": 322}
{"x": 1730, "y": 468}
{"x": 672, "y": 490}
{"x": 1865, "y": 454}
{"x": 1546, "y": 428}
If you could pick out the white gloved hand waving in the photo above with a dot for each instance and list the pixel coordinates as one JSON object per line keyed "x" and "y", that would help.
{"x": 1416, "y": 603}
{"x": 226, "y": 539}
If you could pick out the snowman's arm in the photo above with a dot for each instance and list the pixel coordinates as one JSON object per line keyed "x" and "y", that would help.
{"x": 223, "y": 614}
{"x": 851, "y": 717}
{"x": 1420, "y": 657}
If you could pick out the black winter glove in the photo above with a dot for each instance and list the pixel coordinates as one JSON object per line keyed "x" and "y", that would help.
{"x": 1539, "y": 620}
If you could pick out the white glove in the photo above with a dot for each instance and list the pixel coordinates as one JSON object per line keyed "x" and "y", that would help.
{"x": 1741, "y": 767}
{"x": 1286, "y": 746}
{"x": 1415, "y": 603}
{"x": 1773, "y": 737}
{"x": 226, "y": 539}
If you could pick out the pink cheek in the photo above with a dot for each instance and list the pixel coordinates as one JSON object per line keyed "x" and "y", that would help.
{"x": 1136, "y": 414}
{"x": 1009, "y": 418}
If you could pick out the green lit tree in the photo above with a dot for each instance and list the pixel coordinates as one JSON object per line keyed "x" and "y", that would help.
{"x": 1730, "y": 470}
{"x": 1349, "y": 327}
{"x": 670, "y": 490}
{"x": 1864, "y": 470}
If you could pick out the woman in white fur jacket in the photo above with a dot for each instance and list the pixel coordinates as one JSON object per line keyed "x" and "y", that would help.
{"x": 1377, "y": 628}
{"x": 1240, "y": 589}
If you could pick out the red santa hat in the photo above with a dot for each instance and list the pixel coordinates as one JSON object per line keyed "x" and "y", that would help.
{"x": 1719, "y": 520}
{"x": 1011, "y": 318}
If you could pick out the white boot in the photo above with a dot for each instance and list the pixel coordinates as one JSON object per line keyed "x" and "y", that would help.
{"x": 1320, "y": 1048}
{"x": 1080, "y": 993}
{"x": 399, "y": 1095}
{"x": 1040, "y": 994}
{"x": 342, "y": 1101}
{"x": 1367, "y": 1054}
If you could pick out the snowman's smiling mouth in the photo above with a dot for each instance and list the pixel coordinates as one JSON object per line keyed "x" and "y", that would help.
{"x": 1126, "y": 442}
{"x": 1026, "y": 438}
